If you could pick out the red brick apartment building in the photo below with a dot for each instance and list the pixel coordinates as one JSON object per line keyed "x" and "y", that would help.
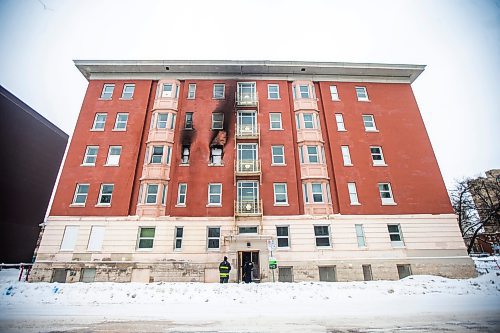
{"x": 174, "y": 164}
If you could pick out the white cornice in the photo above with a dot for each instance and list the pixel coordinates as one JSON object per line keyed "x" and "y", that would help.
{"x": 229, "y": 69}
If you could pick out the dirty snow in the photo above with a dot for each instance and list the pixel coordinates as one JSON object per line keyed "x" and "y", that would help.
{"x": 267, "y": 303}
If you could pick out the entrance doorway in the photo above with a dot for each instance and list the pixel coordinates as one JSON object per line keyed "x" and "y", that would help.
{"x": 246, "y": 256}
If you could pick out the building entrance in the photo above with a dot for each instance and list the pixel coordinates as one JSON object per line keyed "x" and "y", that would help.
{"x": 247, "y": 256}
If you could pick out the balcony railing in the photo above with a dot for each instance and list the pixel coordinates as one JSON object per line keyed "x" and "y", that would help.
{"x": 247, "y": 131}
{"x": 248, "y": 207}
{"x": 247, "y": 98}
{"x": 248, "y": 167}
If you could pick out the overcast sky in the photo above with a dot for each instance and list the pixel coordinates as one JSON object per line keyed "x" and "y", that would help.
{"x": 459, "y": 41}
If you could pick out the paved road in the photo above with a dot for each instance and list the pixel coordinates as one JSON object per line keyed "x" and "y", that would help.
{"x": 484, "y": 322}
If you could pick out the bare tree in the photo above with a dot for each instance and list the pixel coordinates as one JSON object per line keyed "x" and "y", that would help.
{"x": 476, "y": 203}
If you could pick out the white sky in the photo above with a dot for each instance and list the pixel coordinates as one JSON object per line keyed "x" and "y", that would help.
{"x": 459, "y": 41}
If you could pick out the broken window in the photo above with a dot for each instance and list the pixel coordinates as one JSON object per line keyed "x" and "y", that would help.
{"x": 185, "y": 155}
{"x": 216, "y": 155}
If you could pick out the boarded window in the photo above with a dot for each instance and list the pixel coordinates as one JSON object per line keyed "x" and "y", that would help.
{"x": 328, "y": 274}
{"x": 59, "y": 275}
{"x": 404, "y": 271}
{"x": 285, "y": 274}
{"x": 367, "y": 272}
{"x": 88, "y": 275}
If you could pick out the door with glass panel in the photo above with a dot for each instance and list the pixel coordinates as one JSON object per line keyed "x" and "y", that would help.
{"x": 247, "y": 123}
{"x": 246, "y": 93}
{"x": 247, "y": 158}
{"x": 248, "y": 197}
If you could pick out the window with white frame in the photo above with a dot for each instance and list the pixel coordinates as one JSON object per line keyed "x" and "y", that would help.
{"x": 386, "y": 193}
{"x": 213, "y": 237}
{"x": 121, "y": 122}
{"x": 151, "y": 193}
{"x": 214, "y": 194}
{"x": 278, "y": 155}
{"x": 172, "y": 121}
{"x": 339, "y": 118}
{"x": 322, "y": 235}
{"x": 317, "y": 192}
{"x": 166, "y": 90}
{"x": 346, "y": 156}
{"x": 146, "y": 238}
{"x": 312, "y": 154}
{"x": 191, "y": 91}
{"x": 280, "y": 194}
{"x": 395, "y": 235}
{"x": 69, "y": 238}
{"x": 95, "y": 239}
{"x": 334, "y": 93}
{"x": 156, "y": 155}
{"x": 360, "y": 235}
{"x": 161, "y": 121}
{"x": 105, "y": 194}
{"x": 181, "y": 194}
{"x": 219, "y": 91}
{"x": 273, "y": 91}
{"x": 283, "y": 236}
{"x": 107, "y": 91}
{"x": 179, "y": 233}
{"x": 99, "y": 121}
{"x": 369, "y": 122}
{"x": 90, "y": 155}
{"x": 81, "y": 193}
{"x": 361, "y": 94}
{"x": 114, "y": 153}
{"x": 275, "y": 121}
{"x": 164, "y": 194}
{"x": 353, "y": 194}
{"x": 188, "y": 123}
{"x": 128, "y": 91}
{"x": 217, "y": 120}
{"x": 304, "y": 91}
{"x": 377, "y": 155}
{"x": 309, "y": 120}
{"x": 247, "y": 230}
{"x": 305, "y": 192}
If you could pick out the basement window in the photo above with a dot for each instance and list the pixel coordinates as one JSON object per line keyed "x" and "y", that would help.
{"x": 185, "y": 154}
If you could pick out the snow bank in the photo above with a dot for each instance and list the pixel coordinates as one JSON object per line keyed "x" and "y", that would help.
{"x": 186, "y": 301}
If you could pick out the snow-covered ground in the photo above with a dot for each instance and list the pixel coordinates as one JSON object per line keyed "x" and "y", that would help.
{"x": 471, "y": 305}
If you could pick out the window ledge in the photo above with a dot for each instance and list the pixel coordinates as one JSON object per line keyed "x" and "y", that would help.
{"x": 180, "y": 206}
{"x": 97, "y": 129}
{"x": 111, "y": 165}
{"x": 77, "y": 205}
{"x": 215, "y": 165}
{"x": 274, "y": 99}
{"x": 103, "y": 205}
{"x": 119, "y": 130}
{"x": 379, "y": 165}
{"x": 213, "y": 205}
{"x": 144, "y": 249}
{"x": 184, "y": 164}
{"x": 348, "y": 165}
{"x": 336, "y": 100}
{"x": 389, "y": 204}
{"x": 105, "y": 99}
{"x": 125, "y": 99}
{"x": 371, "y": 130}
{"x": 281, "y": 204}
{"x": 218, "y": 98}
{"x": 341, "y": 130}
{"x": 87, "y": 165}
{"x": 355, "y": 204}
{"x": 364, "y": 100}
{"x": 273, "y": 164}
{"x": 213, "y": 250}
{"x": 276, "y": 129}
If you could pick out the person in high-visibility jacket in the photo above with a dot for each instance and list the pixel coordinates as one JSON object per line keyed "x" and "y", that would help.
{"x": 224, "y": 269}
